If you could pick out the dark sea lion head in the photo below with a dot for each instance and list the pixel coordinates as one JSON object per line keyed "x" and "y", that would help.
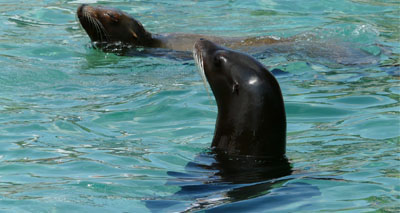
{"x": 110, "y": 25}
{"x": 251, "y": 117}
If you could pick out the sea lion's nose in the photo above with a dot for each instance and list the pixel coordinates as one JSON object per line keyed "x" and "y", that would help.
{"x": 80, "y": 9}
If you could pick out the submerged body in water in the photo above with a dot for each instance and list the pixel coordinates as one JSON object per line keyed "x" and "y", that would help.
{"x": 113, "y": 30}
{"x": 216, "y": 181}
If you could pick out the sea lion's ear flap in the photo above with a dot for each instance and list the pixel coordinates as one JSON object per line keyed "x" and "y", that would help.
{"x": 134, "y": 34}
{"x": 235, "y": 88}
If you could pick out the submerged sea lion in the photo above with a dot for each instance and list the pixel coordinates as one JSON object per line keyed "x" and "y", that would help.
{"x": 113, "y": 30}
{"x": 107, "y": 26}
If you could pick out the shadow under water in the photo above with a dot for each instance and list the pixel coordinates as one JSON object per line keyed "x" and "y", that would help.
{"x": 213, "y": 179}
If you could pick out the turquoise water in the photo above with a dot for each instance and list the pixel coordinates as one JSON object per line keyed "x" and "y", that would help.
{"x": 86, "y": 131}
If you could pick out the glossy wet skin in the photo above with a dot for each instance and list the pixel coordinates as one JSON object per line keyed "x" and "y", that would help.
{"x": 251, "y": 115}
{"x": 108, "y": 25}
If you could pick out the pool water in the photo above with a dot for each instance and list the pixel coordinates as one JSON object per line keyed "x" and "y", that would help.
{"x": 87, "y": 131}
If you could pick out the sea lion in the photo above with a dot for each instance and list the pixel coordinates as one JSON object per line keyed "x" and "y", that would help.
{"x": 247, "y": 158}
{"x": 113, "y": 30}
{"x": 251, "y": 117}
{"x": 110, "y": 26}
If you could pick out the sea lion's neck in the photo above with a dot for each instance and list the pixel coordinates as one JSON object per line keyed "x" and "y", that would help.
{"x": 247, "y": 127}
{"x": 154, "y": 40}
{"x": 179, "y": 41}
{"x": 148, "y": 39}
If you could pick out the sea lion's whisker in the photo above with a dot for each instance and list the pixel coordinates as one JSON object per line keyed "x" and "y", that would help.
{"x": 200, "y": 65}
{"x": 103, "y": 30}
{"x": 95, "y": 24}
{"x": 97, "y": 28}
{"x": 99, "y": 32}
{"x": 90, "y": 20}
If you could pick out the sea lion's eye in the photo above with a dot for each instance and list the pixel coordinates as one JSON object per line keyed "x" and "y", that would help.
{"x": 219, "y": 59}
{"x": 113, "y": 17}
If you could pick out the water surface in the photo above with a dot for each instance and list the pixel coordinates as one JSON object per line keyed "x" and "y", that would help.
{"x": 84, "y": 131}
